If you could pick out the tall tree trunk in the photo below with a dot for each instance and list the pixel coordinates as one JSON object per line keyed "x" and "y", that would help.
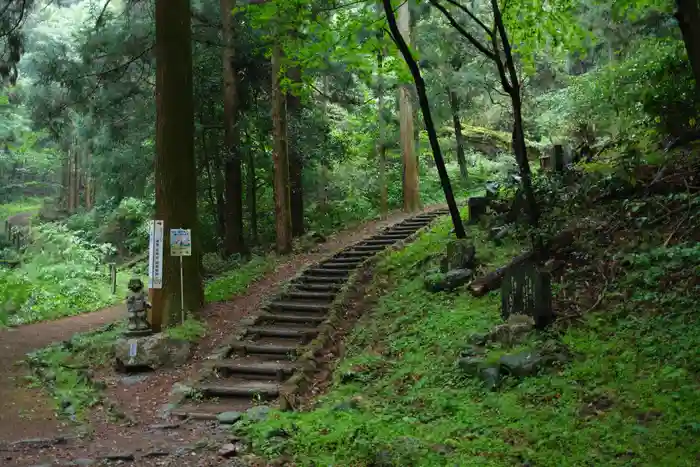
{"x": 428, "y": 120}
{"x": 234, "y": 242}
{"x": 89, "y": 183}
{"x": 175, "y": 168}
{"x": 688, "y": 16}
{"x": 381, "y": 143}
{"x": 513, "y": 90}
{"x": 283, "y": 217}
{"x": 323, "y": 176}
{"x": 73, "y": 181}
{"x": 296, "y": 163}
{"x": 461, "y": 159}
{"x": 252, "y": 196}
{"x": 411, "y": 195}
{"x": 64, "y": 197}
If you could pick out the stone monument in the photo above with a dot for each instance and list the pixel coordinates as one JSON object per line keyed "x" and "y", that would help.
{"x": 137, "y": 308}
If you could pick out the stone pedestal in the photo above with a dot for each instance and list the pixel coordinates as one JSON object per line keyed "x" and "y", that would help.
{"x": 153, "y": 351}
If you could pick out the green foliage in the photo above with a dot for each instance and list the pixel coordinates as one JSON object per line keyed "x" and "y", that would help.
{"x": 60, "y": 275}
{"x": 236, "y": 281}
{"x": 191, "y": 330}
{"x": 650, "y": 89}
{"x": 399, "y": 395}
{"x": 63, "y": 369}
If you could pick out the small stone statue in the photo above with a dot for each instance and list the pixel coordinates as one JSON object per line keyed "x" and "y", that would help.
{"x": 137, "y": 306}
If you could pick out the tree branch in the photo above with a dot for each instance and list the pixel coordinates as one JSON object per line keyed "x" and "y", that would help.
{"x": 100, "y": 18}
{"x": 471, "y": 15}
{"x": 475, "y": 42}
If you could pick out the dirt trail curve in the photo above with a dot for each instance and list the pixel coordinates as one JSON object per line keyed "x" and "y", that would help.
{"x": 29, "y": 413}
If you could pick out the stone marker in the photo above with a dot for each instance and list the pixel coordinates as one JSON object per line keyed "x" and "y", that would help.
{"x": 527, "y": 290}
{"x": 477, "y": 208}
{"x": 558, "y": 163}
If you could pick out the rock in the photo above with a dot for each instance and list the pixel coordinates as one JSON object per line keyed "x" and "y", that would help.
{"x": 460, "y": 255}
{"x": 449, "y": 281}
{"x": 346, "y": 406}
{"x": 497, "y": 234}
{"x": 154, "y": 351}
{"x": 491, "y": 376}
{"x": 156, "y": 453}
{"x": 512, "y": 332}
{"x": 165, "y": 426}
{"x": 227, "y": 450}
{"x": 118, "y": 456}
{"x": 521, "y": 364}
{"x": 277, "y": 433}
{"x": 478, "y": 339}
{"x": 383, "y": 458}
{"x": 165, "y": 409}
{"x": 257, "y": 413}
{"x": 471, "y": 365}
{"x": 229, "y": 418}
{"x": 180, "y": 389}
{"x": 133, "y": 379}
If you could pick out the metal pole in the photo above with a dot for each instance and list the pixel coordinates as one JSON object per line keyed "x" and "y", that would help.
{"x": 182, "y": 292}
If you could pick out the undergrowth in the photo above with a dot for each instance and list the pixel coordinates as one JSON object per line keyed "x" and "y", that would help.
{"x": 629, "y": 398}
{"x": 236, "y": 281}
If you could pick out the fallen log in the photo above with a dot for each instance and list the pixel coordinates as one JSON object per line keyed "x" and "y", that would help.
{"x": 491, "y": 281}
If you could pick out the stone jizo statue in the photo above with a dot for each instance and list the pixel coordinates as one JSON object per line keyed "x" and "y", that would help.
{"x": 137, "y": 308}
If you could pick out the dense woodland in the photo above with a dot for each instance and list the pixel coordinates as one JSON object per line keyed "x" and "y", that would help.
{"x": 255, "y": 122}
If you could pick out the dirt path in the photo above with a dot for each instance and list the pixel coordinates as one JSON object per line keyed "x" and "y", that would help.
{"x": 27, "y": 413}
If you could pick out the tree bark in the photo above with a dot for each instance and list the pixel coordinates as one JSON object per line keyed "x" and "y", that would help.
{"x": 461, "y": 159}
{"x": 251, "y": 196}
{"x": 175, "y": 168}
{"x": 513, "y": 89}
{"x": 381, "y": 143}
{"x": 688, "y": 16}
{"x": 428, "y": 120}
{"x": 296, "y": 164}
{"x": 411, "y": 194}
{"x": 234, "y": 242}
{"x": 283, "y": 218}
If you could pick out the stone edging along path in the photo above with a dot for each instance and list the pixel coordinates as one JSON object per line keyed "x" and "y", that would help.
{"x": 274, "y": 355}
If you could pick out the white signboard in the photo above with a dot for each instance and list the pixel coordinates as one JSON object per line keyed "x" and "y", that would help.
{"x": 180, "y": 242}
{"x": 155, "y": 256}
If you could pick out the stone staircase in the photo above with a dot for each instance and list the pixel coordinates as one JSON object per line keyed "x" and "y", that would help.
{"x": 262, "y": 362}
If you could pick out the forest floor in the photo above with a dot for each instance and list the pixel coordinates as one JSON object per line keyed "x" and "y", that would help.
{"x": 31, "y": 433}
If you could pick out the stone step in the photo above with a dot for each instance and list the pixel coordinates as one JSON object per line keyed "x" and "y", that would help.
{"x": 208, "y": 410}
{"x": 327, "y": 272}
{"x": 306, "y": 295}
{"x": 266, "y": 349}
{"x": 357, "y": 254}
{"x": 262, "y": 389}
{"x": 393, "y": 236}
{"x": 300, "y": 306}
{"x": 295, "y": 318}
{"x": 340, "y": 266}
{"x": 328, "y": 287}
{"x": 275, "y": 331}
{"x": 365, "y": 247}
{"x": 321, "y": 279}
{"x": 348, "y": 261}
{"x": 257, "y": 368}
{"x": 380, "y": 241}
